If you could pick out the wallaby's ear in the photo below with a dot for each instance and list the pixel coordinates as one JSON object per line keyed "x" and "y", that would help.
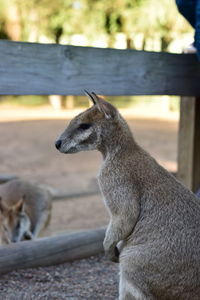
{"x": 19, "y": 206}
{"x": 1, "y": 206}
{"x": 106, "y": 108}
{"x": 90, "y": 97}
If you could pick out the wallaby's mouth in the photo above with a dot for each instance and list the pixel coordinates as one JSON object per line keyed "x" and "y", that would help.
{"x": 71, "y": 151}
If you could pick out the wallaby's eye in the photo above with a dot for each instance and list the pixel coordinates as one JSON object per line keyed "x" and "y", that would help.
{"x": 84, "y": 126}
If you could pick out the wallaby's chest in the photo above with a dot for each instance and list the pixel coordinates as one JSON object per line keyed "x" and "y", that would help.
{"x": 109, "y": 180}
{"x": 115, "y": 186}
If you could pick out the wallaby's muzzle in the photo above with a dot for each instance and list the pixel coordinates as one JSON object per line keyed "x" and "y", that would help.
{"x": 66, "y": 147}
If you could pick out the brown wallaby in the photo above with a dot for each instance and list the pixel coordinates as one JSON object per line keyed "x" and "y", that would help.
{"x": 156, "y": 217}
{"x": 25, "y": 210}
{"x": 3, "y": 236}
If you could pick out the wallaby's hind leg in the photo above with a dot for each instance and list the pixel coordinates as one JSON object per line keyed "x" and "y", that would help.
{"x": 129, "y": 290}
{"x": 41, "y": 224}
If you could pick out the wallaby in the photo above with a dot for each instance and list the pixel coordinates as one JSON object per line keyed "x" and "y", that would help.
{"x": 3, "y": 236}
{"x": 25, "y": 210}
{"x": 156, "y": 217}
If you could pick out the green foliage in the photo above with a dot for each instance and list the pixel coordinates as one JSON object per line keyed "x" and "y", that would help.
{"x": 28, "y": 101}
{"x": 93, "y": 18}
{"x": 3, "y": 34}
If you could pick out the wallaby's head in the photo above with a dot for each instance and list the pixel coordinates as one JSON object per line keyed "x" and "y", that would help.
{"x": 90, "y": 129}
{"x": 15, "y": 223}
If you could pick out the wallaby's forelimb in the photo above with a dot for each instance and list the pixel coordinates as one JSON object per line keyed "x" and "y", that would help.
{"x": 43, "y": 221}
{"x": 119, "y": 228}
{"x": 123, "y": 205}
{"x": 28, "y": 235}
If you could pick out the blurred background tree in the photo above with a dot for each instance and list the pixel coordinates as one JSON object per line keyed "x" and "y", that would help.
{"x": 55, "y": 21}
{"x": 139, "y": 24}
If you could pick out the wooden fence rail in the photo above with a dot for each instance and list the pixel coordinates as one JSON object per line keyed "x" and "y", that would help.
{"x": 45, "y": 69}
{"x": 28, "y": 68}
{"x": 51, "y": 250}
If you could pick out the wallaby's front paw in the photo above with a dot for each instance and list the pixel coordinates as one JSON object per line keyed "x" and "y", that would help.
{"x": 113, "y": 255}
{"x": 28, "y": 235}
{"x": 111, "y": 252}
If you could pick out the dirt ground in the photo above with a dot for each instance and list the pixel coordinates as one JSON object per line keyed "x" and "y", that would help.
{"x": 27, "y": 150}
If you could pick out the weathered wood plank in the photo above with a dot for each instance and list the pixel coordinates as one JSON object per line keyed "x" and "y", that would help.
{"x": 6, "y": 177}
{"x": 27, "y": 68}
{"x": 51, "y": 250}
{"x": 189, "y": 143}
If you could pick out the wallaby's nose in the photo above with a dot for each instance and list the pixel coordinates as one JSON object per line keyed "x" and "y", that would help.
{"x": 58, "y": 144}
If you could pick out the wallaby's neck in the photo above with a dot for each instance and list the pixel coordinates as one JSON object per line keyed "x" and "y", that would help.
{"x": 119, "y": 143}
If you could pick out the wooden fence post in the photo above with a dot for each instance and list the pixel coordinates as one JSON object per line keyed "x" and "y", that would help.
{"x": 189, "y": 143}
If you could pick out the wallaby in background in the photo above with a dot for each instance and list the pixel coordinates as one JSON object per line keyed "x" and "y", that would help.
{"x": 156, "y": 217}
{"x": 3, "y": 236}
{"x": 25, "y": 210}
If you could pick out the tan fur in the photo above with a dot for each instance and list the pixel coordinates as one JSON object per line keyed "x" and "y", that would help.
{"x": 25, "y": 210}
{"x": 156, "y": 217}
{"x": 3, "y": 236}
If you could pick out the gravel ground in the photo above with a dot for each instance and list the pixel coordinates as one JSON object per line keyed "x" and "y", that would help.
{"x": 90, "y": 279}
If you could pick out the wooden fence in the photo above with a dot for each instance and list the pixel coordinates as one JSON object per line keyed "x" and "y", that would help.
{"x": 45, "y": 69}
{"x": 35, "y": 69}
{"x": 27, "y": 68}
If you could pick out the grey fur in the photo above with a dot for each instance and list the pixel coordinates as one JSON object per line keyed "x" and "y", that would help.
{"x": 156, "y": 217}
